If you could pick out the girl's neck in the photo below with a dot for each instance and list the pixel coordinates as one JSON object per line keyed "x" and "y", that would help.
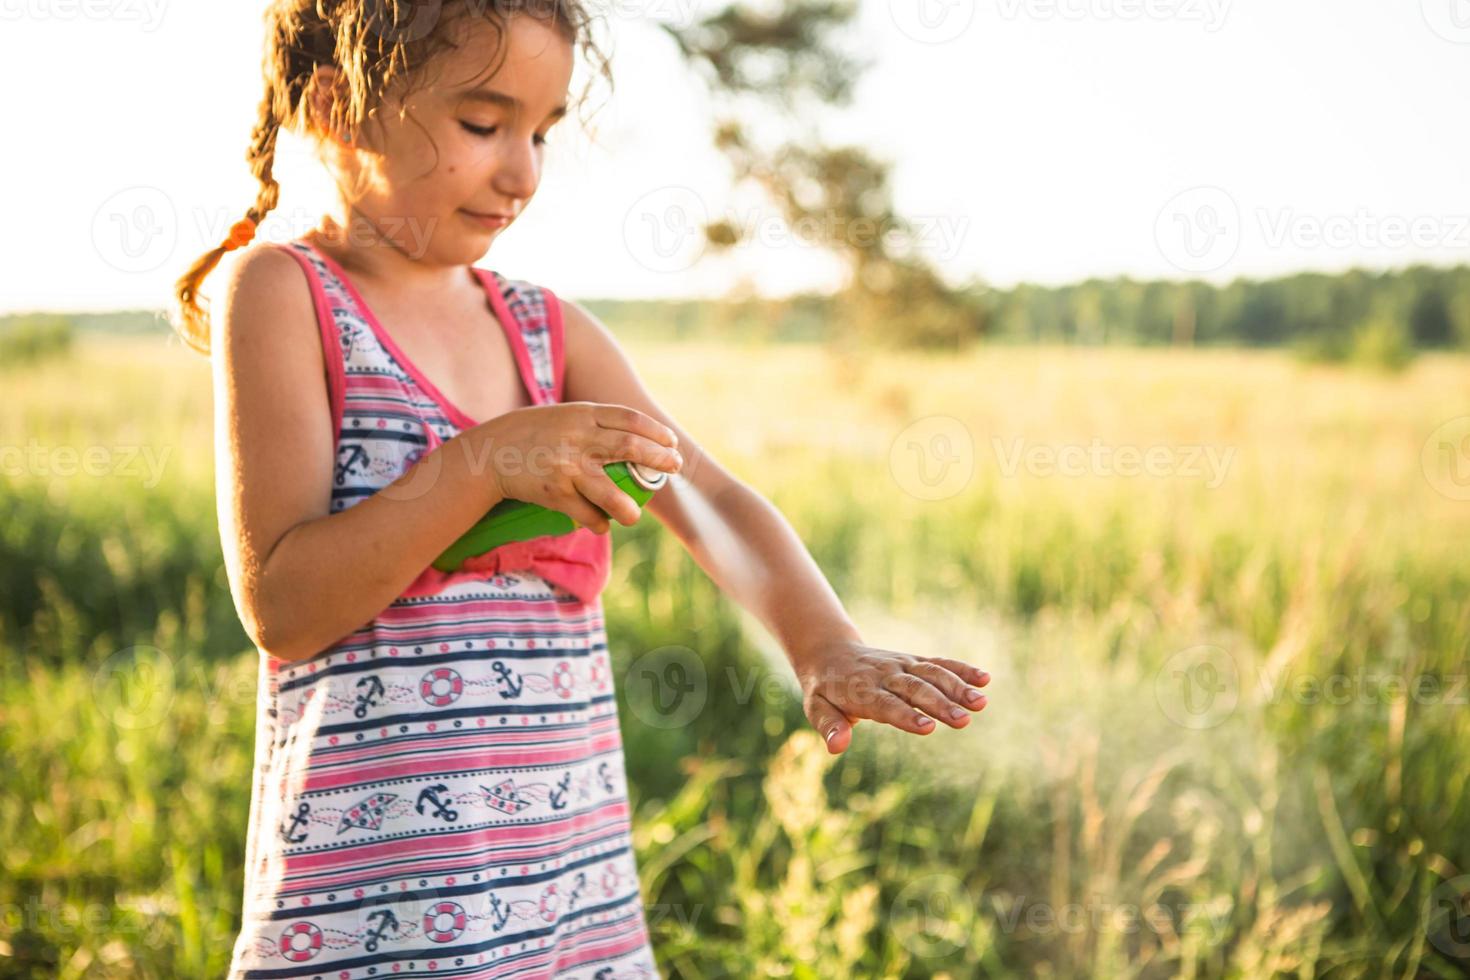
{"x": 368, "y": 254}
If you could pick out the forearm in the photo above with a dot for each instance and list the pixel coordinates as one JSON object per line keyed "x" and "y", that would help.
{"x": 749, "y": 549}
{"x": 327, "y": 577}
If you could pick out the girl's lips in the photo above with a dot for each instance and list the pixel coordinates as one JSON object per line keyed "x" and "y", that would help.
{"x": 487, "y": 220}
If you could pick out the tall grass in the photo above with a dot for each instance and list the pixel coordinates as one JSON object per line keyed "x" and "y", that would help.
{"x": 1193, "y": 764}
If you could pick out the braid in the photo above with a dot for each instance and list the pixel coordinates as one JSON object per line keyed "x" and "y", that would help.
{"x": 192, "y": 322}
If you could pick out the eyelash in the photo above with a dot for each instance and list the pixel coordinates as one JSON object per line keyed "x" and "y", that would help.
{"x": 488, "y": 130}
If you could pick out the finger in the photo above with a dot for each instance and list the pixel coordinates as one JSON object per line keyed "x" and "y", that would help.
{"x": 827, "y": 719}
{"x": 926, "y": 697}
{"x": 968, "y": 672}
{"x": 608, "y": 498}
{"x": 950, "y": 683}
{"x": 615, "y": 446}
{"x": 639, "y": 423}
{"x": 583, "y": 511}
{"x": 889, "y": 708}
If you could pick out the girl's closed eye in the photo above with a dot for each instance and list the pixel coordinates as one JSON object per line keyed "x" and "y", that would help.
{"x": 539, "y": 139}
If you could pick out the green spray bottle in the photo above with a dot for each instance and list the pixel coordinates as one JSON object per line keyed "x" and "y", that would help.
{"x": 519, "y": 520}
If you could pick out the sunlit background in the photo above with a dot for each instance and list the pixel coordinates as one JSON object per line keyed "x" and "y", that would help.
{"x": 1150, "y": 395}
{"x": 1040, "y": 140}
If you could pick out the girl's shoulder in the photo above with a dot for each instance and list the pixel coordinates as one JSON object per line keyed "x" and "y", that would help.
{"x": 265, "y": 295}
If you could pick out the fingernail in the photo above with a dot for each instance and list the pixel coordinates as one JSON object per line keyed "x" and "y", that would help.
{"x": 924, "y": 722}
{"x": 958, "y": 713}
{"x": 973, "y": 695}
{"x": 831, "y": 735}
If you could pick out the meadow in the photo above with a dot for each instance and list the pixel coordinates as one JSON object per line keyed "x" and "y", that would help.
{"x": 1221, "y": 595}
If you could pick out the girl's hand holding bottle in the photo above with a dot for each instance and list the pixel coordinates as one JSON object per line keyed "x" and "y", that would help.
{"x": 553, "y": 455}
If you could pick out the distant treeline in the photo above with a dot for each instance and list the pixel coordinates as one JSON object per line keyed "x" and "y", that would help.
{"x": 1376, "y": 315}
{"x": 1326, "y": 315}
{"x": 34, "y": 337}
{"x": 1430, "y": 305}
{"x": 121, "y": 322}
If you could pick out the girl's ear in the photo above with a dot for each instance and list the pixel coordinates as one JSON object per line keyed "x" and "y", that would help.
{"x": 323, "y": 90}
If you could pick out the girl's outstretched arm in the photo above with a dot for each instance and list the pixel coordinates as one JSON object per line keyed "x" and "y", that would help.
{"x": 746, "y": 545}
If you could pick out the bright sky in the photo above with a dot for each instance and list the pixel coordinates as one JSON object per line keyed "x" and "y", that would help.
{"x": 1036, "y": 140}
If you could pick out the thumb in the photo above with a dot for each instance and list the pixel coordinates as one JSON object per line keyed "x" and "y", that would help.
{"x": 830, "y": 723}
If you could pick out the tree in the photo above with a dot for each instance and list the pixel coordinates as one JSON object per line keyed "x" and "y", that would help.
{"x": 774, "y": 73}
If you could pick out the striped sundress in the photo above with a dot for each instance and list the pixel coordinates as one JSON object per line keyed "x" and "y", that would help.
{"x": 442, "y": 792}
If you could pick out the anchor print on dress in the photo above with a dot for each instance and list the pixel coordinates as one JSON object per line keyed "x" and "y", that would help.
{"x": 353, "y": 461}
{"x": 377, "y": 930}
{"x": 559, "y": 795}
{"x": 509, "y": 681}
{"x": 441, "y": 809}
{"x": 367, "y": 814}
{"x": 303, "y": 813}
{"x": 579, "y": 885}
{"x": 369, "y": 688}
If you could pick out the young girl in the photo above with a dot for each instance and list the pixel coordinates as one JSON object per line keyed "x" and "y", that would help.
{"x": 439, "y": 782}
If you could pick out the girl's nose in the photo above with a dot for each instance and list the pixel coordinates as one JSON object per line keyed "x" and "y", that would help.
{"x": 519, "y": 171}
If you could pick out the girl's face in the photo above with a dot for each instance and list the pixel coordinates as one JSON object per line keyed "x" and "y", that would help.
{"x": 468, "y": 148}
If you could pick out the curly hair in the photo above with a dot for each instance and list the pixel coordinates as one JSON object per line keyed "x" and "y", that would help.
{"x": 374, "y": 46}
